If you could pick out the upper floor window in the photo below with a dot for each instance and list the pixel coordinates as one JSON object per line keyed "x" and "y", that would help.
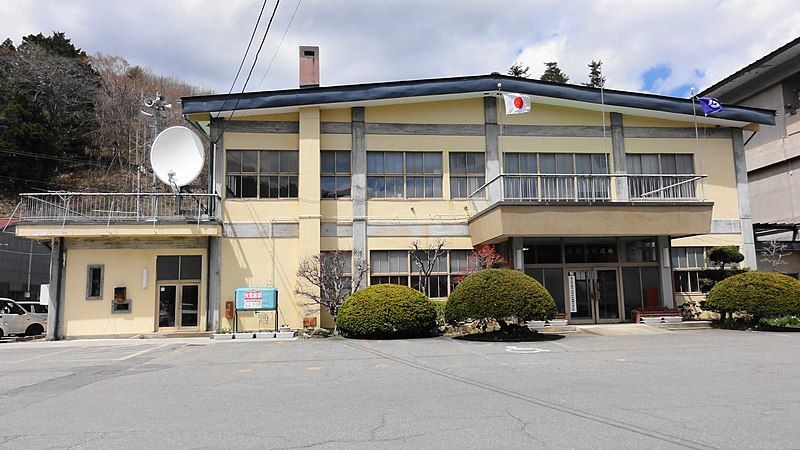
{"x": 335, "y": 174}
{"x": 656, "y": 164}
{"x": 261, "y": 173}
{"x": 404, "y": 174}
{"x": 467, "y": 173}
{"x": 651, "y": 182}
{"x": 556, "y": 176}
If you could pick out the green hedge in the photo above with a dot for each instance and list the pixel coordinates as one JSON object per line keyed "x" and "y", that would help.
{"x": 760, "y": 294}
{"x": 499, "y": 294}
{"x": 387, "y": 310}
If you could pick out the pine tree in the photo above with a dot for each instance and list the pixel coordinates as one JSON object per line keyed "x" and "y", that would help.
{"x": 554, "y": 74}
{"x": 596, "y": 78}
{"x": 518, "y": 70}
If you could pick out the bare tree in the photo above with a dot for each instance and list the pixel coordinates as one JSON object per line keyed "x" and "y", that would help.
{"x": 425, "y": 260}
{"x": 774, "y": 252}
{"x": 327, "y": 278}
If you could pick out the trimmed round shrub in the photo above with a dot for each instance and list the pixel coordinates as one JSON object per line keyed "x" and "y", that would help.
{"x": 759, "y": 294}
{"x": 387, "y": 310}
{"x": 499, "y": 294}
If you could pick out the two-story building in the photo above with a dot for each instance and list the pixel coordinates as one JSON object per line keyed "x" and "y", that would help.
{"x": 593, "y": 193}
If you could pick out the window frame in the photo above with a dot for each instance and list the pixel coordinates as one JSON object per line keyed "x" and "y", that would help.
{"x": 409, "y": 277}
{"x": 262, "y": 175}
{"x": 406, "y": 176}
{"x": 690, "y": 272}
{"x": 336, "y": 174}
{"x": 475, "y": 178}
{"x": 89, "y": 284}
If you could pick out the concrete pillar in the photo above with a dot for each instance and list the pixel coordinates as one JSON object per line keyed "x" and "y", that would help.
{"x": 358, "y": 185}
{"x": 619, "y": 165}
{"x": 665, "y": 270}
{"x": 745, "y": 215}
{"x": 214, "y": 284}
{"x": 518, "y": 253}
{"x": 492, "y": 135}
{"x": 55, "y": 312}
{"x": 216, "y": 182}
{"x": 309, "y": 183}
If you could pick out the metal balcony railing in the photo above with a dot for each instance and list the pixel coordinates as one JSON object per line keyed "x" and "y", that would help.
{"x": 530, "y": 188}
{"x": 80, "y": 207}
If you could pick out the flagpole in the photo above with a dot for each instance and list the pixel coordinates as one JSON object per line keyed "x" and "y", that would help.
{"x": 697, "y": 145}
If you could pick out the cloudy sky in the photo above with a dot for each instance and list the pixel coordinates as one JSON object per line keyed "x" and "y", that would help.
{"x": 646, "y": 45}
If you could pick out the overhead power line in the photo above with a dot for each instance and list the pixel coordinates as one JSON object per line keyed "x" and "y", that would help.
{"x": 252, "y": 66}
{"x": 274, "y": 55}
{"x": 53, "y": 157}
{"x": 252, "y": 36}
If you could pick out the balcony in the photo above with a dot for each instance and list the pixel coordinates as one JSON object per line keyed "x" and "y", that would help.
{"x": 589, "y": 205}
{"x": 90, "y": 214}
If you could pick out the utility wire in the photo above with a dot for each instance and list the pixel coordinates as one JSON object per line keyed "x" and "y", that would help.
{"x": 252, "y": 36}
{"x": 252, "y": 67}
{"x": 279, "y": 44}
{"x": 53, "y": 157}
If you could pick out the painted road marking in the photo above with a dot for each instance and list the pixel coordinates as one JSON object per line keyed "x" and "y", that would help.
{"x": 515, "y": 349}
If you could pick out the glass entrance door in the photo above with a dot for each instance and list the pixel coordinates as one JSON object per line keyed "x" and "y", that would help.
{"x": 593, "y": 295}
{"x": 178, "y": 305}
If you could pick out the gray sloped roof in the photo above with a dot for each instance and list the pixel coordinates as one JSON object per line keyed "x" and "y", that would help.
{"x": 459, "y": 85}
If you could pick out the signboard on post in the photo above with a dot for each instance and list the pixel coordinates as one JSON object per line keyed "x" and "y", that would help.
{"x": 257, "y": 299}
{"x": 573, "y": 302}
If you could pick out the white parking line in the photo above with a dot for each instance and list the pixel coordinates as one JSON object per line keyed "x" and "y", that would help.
{"x": 141, "y": 352}
{"x": 40, "y": 356}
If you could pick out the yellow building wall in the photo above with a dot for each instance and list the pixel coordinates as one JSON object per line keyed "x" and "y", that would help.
{"x": 122, "y": 267}
{"x": 254, "y": 262}
{"x": 469, "y": 111}
{"x": 713, "y": 158}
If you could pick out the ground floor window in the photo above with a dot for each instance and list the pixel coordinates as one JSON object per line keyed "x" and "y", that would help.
{"x": 687, "y": 264}
{"x": 397, "y": 267}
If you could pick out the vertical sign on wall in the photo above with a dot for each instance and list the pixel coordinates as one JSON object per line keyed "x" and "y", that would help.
{"x": 573, "y": 302}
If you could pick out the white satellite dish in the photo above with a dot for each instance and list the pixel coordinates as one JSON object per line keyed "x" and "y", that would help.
{"x": 177, "y": 156}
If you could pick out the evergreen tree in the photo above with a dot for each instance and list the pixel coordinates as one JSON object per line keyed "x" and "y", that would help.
{"x": 596, "y": 78}
{"x": 554, "y": 74}
{"x": 47, "y": 92}
{"x": 518, "y": 70}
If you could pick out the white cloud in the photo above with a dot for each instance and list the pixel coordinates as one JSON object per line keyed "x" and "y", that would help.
{"x": 361, "y": 41}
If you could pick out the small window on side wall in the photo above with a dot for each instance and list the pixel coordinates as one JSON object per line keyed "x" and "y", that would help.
{"x": 94, "y": 282}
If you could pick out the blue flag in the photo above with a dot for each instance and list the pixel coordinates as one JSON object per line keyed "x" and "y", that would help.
{"x": 709, "y": 105}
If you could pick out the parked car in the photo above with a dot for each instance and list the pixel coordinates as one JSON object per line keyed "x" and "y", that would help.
{"x": 37, "y": 309}
{"x": 14, "y": 319}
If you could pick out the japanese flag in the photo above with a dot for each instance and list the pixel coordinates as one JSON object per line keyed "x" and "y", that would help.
{"x": 517, "y": 103}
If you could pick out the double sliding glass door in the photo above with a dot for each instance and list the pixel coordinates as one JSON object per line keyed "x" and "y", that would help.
{"x": 593, "y": 295}
{"x": 178, "y": 306}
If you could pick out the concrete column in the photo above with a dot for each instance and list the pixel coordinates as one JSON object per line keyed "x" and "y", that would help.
{"x": 665, "y": 270}
{"x": 216, "y": 182}
{"x": 55, "y": 312}
{"x": 743, "y": 192}
{"x": 214, "y": 284}
{"x": 309, "y": 183}
{"x": 619, "y": 165}
{"x": 358, "y": 185}
{"x": 492, "y": 135}
{"x": 518, "y": 253}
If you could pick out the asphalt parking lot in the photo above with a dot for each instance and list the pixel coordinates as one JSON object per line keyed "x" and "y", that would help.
{"x": 695, "y": 389}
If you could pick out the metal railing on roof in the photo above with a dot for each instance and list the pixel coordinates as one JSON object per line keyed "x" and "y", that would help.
{"x": 80, "y": 207}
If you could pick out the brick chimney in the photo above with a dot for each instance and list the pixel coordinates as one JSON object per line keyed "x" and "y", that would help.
{"x": 309, "y": 66}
